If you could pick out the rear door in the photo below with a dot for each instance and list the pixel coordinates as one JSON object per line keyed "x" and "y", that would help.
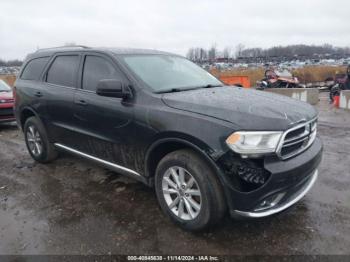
{"x": 61, "y": 80}
{"x": 103, "y": 124}
{"x": 30, "y": 90}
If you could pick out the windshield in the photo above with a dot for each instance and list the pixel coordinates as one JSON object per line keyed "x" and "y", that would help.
{"x": 4, "y": 86}
{"x": 165, "y": 73}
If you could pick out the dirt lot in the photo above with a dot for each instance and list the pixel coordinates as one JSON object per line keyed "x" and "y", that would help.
{"x": 74, "y": 207}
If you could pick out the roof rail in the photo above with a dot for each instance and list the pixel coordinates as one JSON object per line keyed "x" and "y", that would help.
{"x": 65, "y": 46}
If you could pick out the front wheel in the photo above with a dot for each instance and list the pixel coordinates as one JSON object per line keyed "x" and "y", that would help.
{"x": 188, "y": 191}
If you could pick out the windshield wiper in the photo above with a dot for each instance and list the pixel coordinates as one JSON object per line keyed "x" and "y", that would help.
{"x": 173, "y": 90}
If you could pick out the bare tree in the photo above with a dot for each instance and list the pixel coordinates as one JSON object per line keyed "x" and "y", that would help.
{"x": 199, "y": 54}
{"x": 203, "y": 54}
{"x": 226, "y": 53}
{"x": 239, "y": 50}
{"x": 190, "y": 54}
{"x": 14, "y": 62}
{"x": 212, "y": 53}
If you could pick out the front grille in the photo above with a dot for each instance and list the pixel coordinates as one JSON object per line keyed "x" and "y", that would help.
{"x": 295, "y": 133}
{"x": 297, "y": 139}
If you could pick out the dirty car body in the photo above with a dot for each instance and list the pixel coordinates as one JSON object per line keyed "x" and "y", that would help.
{"x": 135, "y": 128}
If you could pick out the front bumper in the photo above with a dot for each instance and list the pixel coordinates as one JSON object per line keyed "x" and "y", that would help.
{"x": 290, "y": 180}
{"x": 6, "y": 113}
{"x": 279, "y": 207}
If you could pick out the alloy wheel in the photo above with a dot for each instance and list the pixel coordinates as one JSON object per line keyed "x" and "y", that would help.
{"x": 34, "y": 141}
{"x": 181, "y": 193}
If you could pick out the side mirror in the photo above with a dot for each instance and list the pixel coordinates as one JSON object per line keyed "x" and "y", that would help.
{"x": 113, "y": 88}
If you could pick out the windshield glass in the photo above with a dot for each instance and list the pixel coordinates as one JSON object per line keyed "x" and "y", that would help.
{"x": 165, "y": 73}
{"x": 4, "y": 86}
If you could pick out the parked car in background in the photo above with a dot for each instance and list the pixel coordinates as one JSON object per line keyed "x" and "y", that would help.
{"x": 6, "y": 103}
{"x": 206, "y": 148}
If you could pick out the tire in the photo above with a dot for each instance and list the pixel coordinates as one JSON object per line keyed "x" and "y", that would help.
{"x": 35, "y": 130}
{"x": 211, "y": 200}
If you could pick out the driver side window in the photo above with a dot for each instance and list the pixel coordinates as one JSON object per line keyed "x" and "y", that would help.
{"x": 95, "y": 69}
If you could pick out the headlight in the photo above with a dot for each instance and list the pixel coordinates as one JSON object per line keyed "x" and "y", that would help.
{"x": 254, "y": 143}
{"x": 313, "y": 126}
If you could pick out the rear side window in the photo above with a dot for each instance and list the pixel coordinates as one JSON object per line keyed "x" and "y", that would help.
{"x": 95, "y": 69}
{"x": 63, "y": 71}
{"x": 34, "y": 68}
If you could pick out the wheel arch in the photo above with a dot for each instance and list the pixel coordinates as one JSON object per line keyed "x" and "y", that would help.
{"x": 166, "y": 145}
{"x": 25, "y": 114}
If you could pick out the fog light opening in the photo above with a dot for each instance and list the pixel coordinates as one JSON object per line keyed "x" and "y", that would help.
{"x": 270, "y": 202}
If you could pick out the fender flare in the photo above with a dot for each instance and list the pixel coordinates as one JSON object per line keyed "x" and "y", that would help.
{"x": 219, "y": 174}
{"x": 20, "y": 115}
{"x": 201, "y": 151}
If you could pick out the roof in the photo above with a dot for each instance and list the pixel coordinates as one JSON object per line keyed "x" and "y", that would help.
{"x": 116, "y": 51}
{"x": 130, "y": 51}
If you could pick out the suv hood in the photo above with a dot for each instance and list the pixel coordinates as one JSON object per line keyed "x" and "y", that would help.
{"x": 247, "y": 109}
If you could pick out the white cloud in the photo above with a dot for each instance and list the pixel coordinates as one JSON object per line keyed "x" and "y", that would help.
{"x": 171, "y": 25}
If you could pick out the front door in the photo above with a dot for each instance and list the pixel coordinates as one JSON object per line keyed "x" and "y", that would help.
{"x": 103, "y": 124}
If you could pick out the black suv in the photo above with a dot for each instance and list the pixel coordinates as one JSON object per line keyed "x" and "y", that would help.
{"x": 159, "y": 118}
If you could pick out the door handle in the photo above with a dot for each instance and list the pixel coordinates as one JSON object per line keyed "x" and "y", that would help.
{"x": 81, "y": 102}
{"x": 38, "y": 94}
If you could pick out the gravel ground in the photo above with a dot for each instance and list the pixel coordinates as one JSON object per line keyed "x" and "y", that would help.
{"x": 72, "y": 206}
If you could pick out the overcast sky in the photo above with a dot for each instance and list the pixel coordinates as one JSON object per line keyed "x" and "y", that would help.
{"x": 170, "y": 25}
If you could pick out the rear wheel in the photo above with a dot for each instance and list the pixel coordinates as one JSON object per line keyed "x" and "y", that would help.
{"x": 188, "y": 190}
{"x": 37, "y": 141}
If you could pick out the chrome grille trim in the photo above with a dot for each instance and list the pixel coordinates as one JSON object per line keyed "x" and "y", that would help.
{"x": 306, "y": 138}
{"x": 287, "y": 143}
{"x": 303, "y": 135}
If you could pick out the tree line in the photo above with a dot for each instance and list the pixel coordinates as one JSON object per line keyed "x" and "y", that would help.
{"x": 202, "y": 54}
{"x": 15, "y": 62}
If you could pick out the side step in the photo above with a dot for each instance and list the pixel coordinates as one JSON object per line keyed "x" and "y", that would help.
{"x": 112, "y": 166}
